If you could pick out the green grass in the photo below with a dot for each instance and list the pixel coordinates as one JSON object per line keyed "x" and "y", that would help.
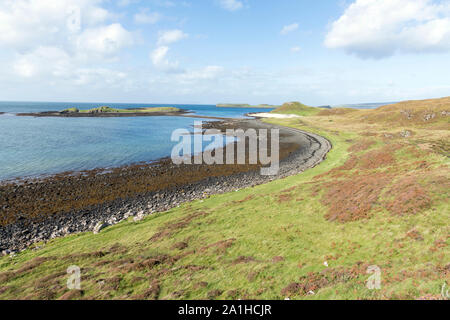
{"x": 260, "y": 224}
{"x": 105, "y": 109}
{"x": 71, "y": 110}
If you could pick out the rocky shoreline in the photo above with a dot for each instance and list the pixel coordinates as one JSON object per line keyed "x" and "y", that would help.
{"x": 308, "y": 151}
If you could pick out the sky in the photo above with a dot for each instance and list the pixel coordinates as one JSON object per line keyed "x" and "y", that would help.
{"x": 224, "y": 51}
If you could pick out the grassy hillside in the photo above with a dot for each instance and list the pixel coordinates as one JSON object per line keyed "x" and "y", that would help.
{"x": 423, "y": 113}
{"x": 380, "y": 198}
{"x": 296, "y": 108}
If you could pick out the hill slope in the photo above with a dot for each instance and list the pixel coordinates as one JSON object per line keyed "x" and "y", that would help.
{"x": 380, "y": 199}
{"x": 296, "y": 108}
{"x": 422, "y": 113}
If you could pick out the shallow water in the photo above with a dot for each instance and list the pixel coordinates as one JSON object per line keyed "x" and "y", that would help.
{"x": 32, "y": 146}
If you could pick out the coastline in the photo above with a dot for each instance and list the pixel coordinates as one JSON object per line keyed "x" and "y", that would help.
{"x": 138, "y": 190}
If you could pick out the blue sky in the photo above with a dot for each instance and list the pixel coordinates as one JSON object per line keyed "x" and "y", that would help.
{"x": 210, "y": 51}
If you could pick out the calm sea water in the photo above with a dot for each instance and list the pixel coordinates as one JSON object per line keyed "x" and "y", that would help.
{"x": 364, "y": 105}
{"x": 32, "y": 146}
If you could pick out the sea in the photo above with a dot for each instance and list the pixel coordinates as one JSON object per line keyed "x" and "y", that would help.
{"x": 40, "y": 146}
{"x": 364, "y": 105}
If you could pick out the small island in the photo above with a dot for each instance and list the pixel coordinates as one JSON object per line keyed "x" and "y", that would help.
{"x": 105, "y": 111}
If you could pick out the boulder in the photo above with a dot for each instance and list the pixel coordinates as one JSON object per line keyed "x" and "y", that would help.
{"x": 140, "y": 216}
{"x": 100, "y": 226}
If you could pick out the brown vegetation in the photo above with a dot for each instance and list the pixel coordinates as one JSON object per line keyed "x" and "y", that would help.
{"x": 336, "y": 112}
{"x": 361, "y": 145}
{"x": 311, "y": 283}
{"x": 71, "y": 295}
{"x": 27, "y": 267}
{"x": 354, "y": 198}
{"x": 243, "y": 259}
{"x": 214, "y": 294}
{"x": 172, "y": 227}
{"x": 151, "y": 293}
{"x": 408, "y": 197}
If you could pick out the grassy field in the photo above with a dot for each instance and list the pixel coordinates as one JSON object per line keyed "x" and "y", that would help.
{"x": 379, "y": 199}
{"x": 105, "y": 109}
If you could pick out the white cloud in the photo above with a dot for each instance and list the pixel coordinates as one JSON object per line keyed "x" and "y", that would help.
{"x": 147, "y": 17}
{"x": 289, "y": 28}
{"x": 295, "y": 49}
{"x": 37, "y": 62}
{"x": 95, "y": 15}
{"x": 125, "y": 3}
{"x": 62, "y": 69}
{"x": 381, "y": 28}
{"x": 60, "y": 43}
{"x": 206, "y": 73}
{"x": 158, "y": 56}
{"x": 99, "y": 75}
{"x": 161, "y": 62}
{"x": 104, "y": 41}
{"x": 78, "y": 26}
{"x": 24, "y": 68}
{"x": 231, "y": 5}
{"x": 27, "y": 23}
{"x": 171, "y": 36}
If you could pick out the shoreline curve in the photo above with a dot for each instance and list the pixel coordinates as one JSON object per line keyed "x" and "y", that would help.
{"x": 24, "y": 233}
